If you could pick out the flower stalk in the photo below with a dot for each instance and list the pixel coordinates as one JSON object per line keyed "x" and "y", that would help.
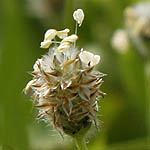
{"x": 80, "y": 143}
{"x": 65, "y": 85}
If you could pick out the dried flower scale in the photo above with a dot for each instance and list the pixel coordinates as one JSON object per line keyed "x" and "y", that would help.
{"x": 65, "y": 84}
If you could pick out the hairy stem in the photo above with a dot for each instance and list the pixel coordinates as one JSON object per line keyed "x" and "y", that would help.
{"x": 80, "y": 143}
{"x": 79, "y": 138}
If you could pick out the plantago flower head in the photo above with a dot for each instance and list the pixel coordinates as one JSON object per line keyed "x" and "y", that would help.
{"x": 65, "y": 84}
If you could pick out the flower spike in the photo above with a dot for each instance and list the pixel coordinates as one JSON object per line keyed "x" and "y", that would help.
{"x": 65, "y": 83}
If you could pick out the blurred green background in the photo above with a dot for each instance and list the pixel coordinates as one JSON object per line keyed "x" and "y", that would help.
{"x": 123, "y": 112}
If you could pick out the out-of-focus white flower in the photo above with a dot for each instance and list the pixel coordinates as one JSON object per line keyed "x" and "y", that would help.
{"x": 141, "y": 24}
{"x": 78, "y": 16}
{"x": 87, "y": 57}
{"x": 72, "y": 38}
{"x": 137, "y": 19}
{"x": 120, "y": 41}
{"x": 46, "y": 44}
{"x": 38, "y": 9}
{"x": 142, "y": 9}
{"x": 50, "y": 34}
{"x": 62, "y": 34}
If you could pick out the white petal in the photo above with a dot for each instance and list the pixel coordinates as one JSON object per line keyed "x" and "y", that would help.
{"x": 46, "y": 44}
{"x": 72, "y": 38}
{"x": 96, "y": 59}
{"x": 78, "y": 16}
{"x": 62, "y": 34}
{"x": 86, "y": 56}
{"x": 50, "y": 34}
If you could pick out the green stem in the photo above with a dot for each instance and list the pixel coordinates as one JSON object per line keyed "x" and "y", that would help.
{"x": 76, "y": 32}
{"x": 80, "y": 143}
{"x": 79, "y": 138}
{"x": 147, "y": 74}
{"x": 147, "y": 77}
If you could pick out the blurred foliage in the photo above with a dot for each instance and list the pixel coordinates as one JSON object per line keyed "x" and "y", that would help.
{"x": 123, "y": 110}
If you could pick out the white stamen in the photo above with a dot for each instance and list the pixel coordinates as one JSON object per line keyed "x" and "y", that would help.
{"x": 62, "y": 34}
{"x": 46, "y": 44}
{"x": 50, "y": 34}
{"x": 72, "y": 38}
{"x": 78, "y": 16}
{"x": 63, "y": 47}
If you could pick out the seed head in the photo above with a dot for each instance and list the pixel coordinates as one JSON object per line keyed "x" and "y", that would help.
{"x": 65, "y": 84}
